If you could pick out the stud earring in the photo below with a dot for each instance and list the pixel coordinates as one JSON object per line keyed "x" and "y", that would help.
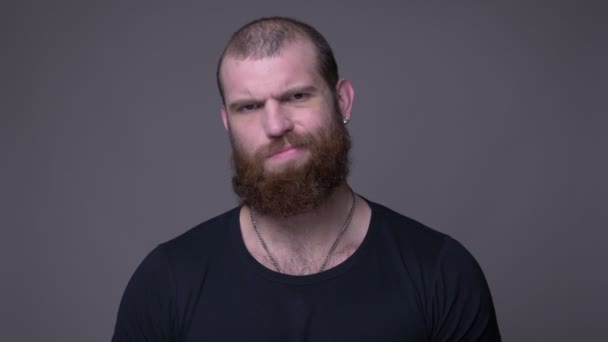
{"x": 345, "y": 120}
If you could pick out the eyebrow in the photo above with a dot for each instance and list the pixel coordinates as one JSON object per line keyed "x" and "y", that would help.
{"x": 300, "y": 89}
{"x": 233, "y": 106}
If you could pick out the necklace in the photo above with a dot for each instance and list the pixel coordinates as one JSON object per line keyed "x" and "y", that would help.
{"x": 349, "y": 216}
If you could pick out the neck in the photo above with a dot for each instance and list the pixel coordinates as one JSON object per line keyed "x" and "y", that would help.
{"x": 309, "y": 227}
{"x": 301, "y": 243}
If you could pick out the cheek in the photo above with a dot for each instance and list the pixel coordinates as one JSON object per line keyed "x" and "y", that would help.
{"x": 317, "y": 116}
{"x": 322, "y": 120}
{"x": 245, "y": 143}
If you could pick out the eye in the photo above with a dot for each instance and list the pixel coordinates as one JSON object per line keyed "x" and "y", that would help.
{"x": 249, "y": 107}
{"x": 299, "y": 96}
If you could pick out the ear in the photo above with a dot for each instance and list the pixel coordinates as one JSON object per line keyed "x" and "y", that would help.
{"x": 346, "y": 96}
{"x": 224, "y": 117}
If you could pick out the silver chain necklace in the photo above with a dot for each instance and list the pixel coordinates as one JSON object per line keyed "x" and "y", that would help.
{"x": 331, "y": 250}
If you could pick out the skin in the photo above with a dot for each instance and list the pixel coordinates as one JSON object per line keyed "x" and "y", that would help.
{"x": 265, "y": 99}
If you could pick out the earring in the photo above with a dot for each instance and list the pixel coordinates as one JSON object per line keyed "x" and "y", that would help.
{"x": 345, "y": 120}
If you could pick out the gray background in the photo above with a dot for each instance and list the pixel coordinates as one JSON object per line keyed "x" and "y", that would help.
{"x": 485, "y": 121}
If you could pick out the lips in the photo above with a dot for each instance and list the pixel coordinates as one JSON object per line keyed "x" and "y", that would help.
{"x": 281, "y": 150}
{"x": 290, "y": 143}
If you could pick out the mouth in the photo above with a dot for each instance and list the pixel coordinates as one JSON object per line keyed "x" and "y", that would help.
{"x": 287, "y": 150}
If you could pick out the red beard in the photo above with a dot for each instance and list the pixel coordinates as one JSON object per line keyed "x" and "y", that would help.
{"x": 294, "y": 189}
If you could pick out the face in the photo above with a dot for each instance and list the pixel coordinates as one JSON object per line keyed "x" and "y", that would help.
{"x": 267, "y": 99}
{"x": 285, "y": 130}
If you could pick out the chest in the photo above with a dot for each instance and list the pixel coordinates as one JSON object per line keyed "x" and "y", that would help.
{"x": 248, "y": 307}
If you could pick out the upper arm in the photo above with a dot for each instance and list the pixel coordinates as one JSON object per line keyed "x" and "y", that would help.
{"x": 461, "y": 306}
{"x": 147, "y": 307}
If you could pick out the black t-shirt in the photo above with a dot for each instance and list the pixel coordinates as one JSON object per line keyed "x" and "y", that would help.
{"x": 406, "y": 282}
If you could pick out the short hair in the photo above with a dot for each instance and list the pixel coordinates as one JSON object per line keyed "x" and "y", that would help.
{"x": 264, "y": 37}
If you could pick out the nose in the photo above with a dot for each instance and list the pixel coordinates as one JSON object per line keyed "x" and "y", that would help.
{"x": 277, "y": 120}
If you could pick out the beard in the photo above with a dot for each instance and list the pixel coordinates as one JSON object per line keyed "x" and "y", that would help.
{"x": 294, "y": 188}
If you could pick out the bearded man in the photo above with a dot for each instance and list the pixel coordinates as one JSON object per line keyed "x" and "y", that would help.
{"x": 303, "y": 257}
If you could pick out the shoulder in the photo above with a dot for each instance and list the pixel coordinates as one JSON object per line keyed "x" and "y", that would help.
{"x": 154, "y": 301}
{"x": 420, "y": 247}
{"x": 191, "y": 250}
{"x": 206, "y": 232}
{"x": 451, "y": 285}
{"x": 202, "y": 241}
{"x": 412, "y": 238}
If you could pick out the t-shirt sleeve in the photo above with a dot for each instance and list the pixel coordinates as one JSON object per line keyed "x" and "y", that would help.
{"x": 147, "y": 308}
{"x": 461, "y": 303}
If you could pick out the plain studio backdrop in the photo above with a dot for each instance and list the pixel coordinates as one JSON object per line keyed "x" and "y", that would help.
{"x": 484, "y": 121}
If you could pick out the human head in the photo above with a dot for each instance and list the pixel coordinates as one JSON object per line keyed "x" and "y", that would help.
{"x": 264, "y": 37}
{"x": 258, "y": 74}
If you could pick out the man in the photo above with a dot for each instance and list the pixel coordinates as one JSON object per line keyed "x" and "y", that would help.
{"x": 303, "y": 258}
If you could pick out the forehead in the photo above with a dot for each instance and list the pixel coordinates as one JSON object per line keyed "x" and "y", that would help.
{"x": 294, "y": 65}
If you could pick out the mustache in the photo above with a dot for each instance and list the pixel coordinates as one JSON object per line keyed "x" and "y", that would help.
{"x": 290, "y": 139}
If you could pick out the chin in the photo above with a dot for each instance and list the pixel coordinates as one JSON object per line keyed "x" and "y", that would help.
{"x": 285, "y": 167}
